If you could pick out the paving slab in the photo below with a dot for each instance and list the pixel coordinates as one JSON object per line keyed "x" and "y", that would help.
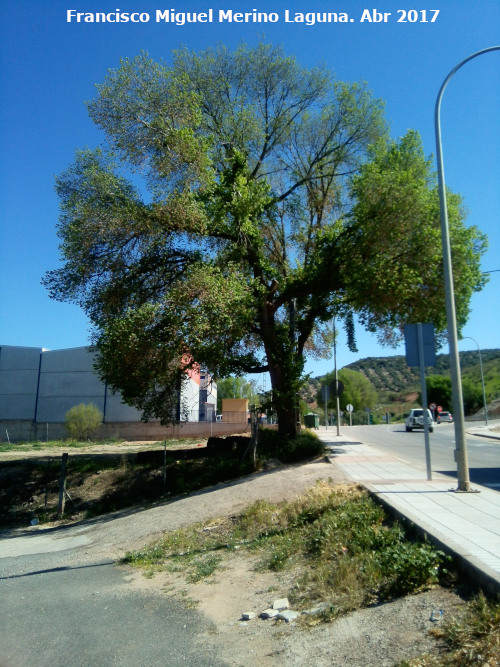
{"x": 465, "y": 524}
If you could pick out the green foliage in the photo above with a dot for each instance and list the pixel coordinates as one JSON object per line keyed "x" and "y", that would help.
{"x": 472, "y": 395}
{"x": 273, "y": 203}
{"x": 288, "y": 450}
{"x": 438, "y": 391}
{"x": 83, "y": 420}
{"x": 358, "y": 390}
{"x": 491, "y": 372}
{"x": 397, "y": 184}
{"x": 339, "y": 545}
{"x": 408, "y": 567}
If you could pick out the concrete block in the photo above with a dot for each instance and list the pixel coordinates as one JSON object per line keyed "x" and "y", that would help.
{"x": 248, "y": 615}
{"x": 288, "y": 615}
{"x": 281, "y": 604}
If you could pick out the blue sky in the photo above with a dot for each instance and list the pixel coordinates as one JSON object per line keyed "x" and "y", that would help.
{"x": 49, "y": 67}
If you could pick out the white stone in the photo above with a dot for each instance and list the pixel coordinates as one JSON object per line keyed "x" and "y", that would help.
{"x": 281, "y": 604}
{"x": 288, "y": 615}
{"x": 269, "y": 613}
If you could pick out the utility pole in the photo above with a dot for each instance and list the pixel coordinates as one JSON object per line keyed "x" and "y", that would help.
{"x": 456, "y": 380}
{"x": 337, "y": 398}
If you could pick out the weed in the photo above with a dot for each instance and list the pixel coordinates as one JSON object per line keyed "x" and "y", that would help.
{"x": 203, "y": 567}
{"x": 473, "y": 638}
{"x": 337, "y": 543}
{"x": 83, "y": 420}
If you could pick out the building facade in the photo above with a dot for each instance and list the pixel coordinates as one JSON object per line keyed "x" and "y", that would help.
{"x": 38, "y": 387}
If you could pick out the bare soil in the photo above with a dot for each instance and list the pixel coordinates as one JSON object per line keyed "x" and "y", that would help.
{"x": 99, "y": 479}
{"x": 379, "y": 636}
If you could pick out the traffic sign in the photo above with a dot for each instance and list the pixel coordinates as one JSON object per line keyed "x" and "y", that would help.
{"x": 432, "y": 406}
{"x": 337, "y": 388}
{"x": 349, "y": 407}
{"x": 439, "y": 408}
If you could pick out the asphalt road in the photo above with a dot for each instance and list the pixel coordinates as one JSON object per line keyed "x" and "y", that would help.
{"x": 483, "y": 453}
{"x": 90, "y": 615}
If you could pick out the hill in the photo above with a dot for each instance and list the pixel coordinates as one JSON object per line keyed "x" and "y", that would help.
{"x": 396, "y": 383}
{"x": 391, "y": 374}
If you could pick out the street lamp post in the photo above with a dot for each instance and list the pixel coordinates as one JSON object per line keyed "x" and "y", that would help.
{"x": 337, "y": 399}
{"x": 482, "y": 378}
{"x": 456, "y": 382}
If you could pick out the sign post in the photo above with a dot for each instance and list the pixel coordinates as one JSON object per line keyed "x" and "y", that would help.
{"x": 337, "y": 388}
{"x": 349, "y": 409}
{"x": 420, "y": 351}
{"x": 325, "y": 390}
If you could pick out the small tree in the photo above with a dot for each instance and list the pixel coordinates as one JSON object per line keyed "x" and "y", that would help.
{"x": 358, "y": 390}
{"x": 82, "y": 421}
{"x": 438, "y": 391}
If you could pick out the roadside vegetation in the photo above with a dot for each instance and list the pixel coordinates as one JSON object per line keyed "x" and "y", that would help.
{"x": 110, "y": 479}
{"x": 341, "y": 549}
{"x": 340, "y": 552}
{"x": 473, "y": 638}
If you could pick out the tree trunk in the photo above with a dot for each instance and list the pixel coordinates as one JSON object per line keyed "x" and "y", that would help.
{"x": 285, "y": 399}
{"x": 285, "y": 369}
{"x": 288, "y": 421}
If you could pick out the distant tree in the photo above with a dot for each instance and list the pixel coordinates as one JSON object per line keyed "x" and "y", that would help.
{"x": 472, "y": 395}
{"x": 359, "y": 391}
{"x": 237, "y": 387}
{"x": 82, "y": 421}
{"x": 438, "y": 391}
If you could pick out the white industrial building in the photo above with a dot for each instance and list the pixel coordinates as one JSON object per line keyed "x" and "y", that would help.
{"x": 38, "y": 387}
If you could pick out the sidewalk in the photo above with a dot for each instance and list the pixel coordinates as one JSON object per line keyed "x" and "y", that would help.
{"x": 467, "y": 525}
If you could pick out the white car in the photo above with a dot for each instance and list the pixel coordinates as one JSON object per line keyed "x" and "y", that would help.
{"x": 416, "y": 419}
{"x": 445, "y": 417}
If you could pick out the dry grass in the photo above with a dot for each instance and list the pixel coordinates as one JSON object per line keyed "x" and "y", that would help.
{"x": 473, "y": 638}
{"x": 339, "y": 544}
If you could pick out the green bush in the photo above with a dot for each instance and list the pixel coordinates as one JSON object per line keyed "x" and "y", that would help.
{"x": 408, "y": 566}
{"x": 272, "y": 445}
{"x": 82, "y": 421}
